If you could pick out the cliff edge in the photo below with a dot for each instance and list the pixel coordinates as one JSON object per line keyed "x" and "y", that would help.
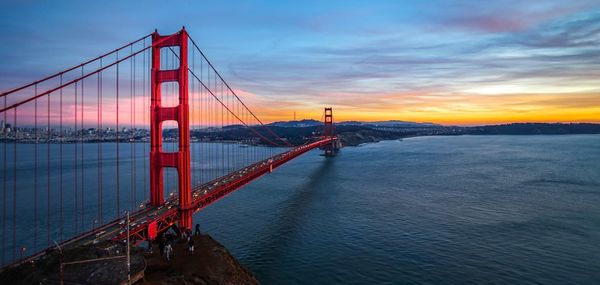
{"x": 104, "y": 263}
{"x": 210, "y": 264}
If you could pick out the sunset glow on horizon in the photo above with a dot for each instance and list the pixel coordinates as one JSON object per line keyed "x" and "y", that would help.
{"x": 445, "y": 62}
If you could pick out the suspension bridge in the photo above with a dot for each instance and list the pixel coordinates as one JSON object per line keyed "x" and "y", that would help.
{"x": 150, "y": 128}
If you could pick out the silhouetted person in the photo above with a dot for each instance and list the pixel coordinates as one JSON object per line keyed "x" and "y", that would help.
{"x": 197, "y": 230}
{"x": 168, "y": 251}
{"x": 191, "y": 246}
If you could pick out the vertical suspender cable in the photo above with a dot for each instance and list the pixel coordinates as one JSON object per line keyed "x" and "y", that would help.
{"x": 199, "y": 133}
{"x": 133, "y": 133}
{"x": 173, "y": 145}
{"x": 254, "y": 145}
{"x": 60, "y": 154}
{"x": 229, "y": 144}
{"x": 235, "y": 157}
{"x": 250, "y": 138}
{"x": 196, "y": 106}
{"x": 14, "y": 206}
{"x": 209, "y": 119}
{"x": 213, "y": 145}
{"x": 145, "y": 190}
{"x": 216, "y": 122}
{"x": 4, "y": 186}
{"x": 4, "y": 134}
{"x": 101, "y": 140}
{"x": 254, "y": 160}
{"x": 246, "y": 150}
{"x": 117, "y": 137}
{"x": 194, "y": 112}
{"x": 76, "y": 213}
{"x": 131, "y": 144}
{"x": 35, "y": 174}
{"x": 99, "y": 143}
{"x": 82, "y": 160}
{"x": 225, "y": 123}
{"x": 204, "y": 119}
{"x": 193, "y": 147}
{"x": 222, "y": 133}
{"x": 48, "y": 181}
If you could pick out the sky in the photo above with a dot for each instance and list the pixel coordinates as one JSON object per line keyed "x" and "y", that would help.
{"x": 448, "y": 62}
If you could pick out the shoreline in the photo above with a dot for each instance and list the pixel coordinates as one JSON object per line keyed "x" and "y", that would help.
{"x": 358, "y": 144}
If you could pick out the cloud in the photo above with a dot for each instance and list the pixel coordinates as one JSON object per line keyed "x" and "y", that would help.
{"x": 434, "y": 59}
{"x": 499, "y": 16}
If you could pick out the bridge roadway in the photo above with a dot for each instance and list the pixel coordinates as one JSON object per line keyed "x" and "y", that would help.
{"x": 203, "y": 195}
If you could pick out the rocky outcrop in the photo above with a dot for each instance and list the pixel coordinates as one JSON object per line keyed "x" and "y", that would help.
{"x": 210, "y": 264}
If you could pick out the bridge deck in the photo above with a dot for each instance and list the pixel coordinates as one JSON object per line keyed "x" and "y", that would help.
{"x": 202, "y": 196}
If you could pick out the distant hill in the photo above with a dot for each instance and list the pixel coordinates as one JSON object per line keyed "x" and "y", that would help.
{"x": 390, "y": 124}
{"x": 355, "y": 133}
{"x": 379, "y": 124}
{"x": 296, "y": 124}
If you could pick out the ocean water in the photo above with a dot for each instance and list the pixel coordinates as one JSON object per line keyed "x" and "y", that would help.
{"x": 429, "y": 210}
{"x": 71, "y": 177}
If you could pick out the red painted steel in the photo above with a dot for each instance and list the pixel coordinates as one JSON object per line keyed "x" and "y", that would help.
{"x": 159, "y": 215}
{"x": 180, "y": 113}
{"x": 167, "y": 215}
{"x": 152, "y": 231}
{"x": 328, "y": 122}
{"x": 328, "y": 131}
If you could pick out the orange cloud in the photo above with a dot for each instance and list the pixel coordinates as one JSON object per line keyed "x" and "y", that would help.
{"x": 451, "y": 108}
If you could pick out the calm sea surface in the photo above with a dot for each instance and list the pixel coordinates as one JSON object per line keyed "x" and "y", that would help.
{"x": 431, "y": 210}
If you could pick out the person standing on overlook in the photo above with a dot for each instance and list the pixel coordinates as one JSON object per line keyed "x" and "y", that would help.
{"x": 168, "y": 251}
{"x": 191, "y": 246}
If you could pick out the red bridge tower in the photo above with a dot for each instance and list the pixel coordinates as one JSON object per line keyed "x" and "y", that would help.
{"x": 329, "y": 130}
{"x": 180, "y": 113}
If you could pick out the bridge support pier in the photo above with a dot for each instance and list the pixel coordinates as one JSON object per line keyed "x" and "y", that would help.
{"x": 159, "y": 159}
